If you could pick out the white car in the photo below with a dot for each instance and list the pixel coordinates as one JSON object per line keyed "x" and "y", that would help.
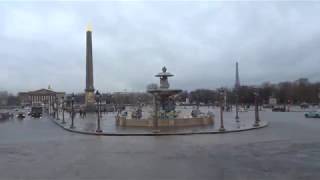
{"x": 312, "y": 114}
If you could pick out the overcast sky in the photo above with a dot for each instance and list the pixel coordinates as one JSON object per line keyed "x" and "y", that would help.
{"x": 199, "y": 42}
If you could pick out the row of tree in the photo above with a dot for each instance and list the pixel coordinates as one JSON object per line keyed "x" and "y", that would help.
{"x": 116, "y": 98}
{"x": 295, "y": 92}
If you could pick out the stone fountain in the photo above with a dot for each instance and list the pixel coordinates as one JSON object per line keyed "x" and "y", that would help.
{"x": 164, "y": 109}
{"x": 163, "y": 98}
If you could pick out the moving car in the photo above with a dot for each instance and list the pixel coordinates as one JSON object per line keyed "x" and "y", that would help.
{"x": 312, "y": 114}
{"x": 36, "y": 111}
{"x": 21, "y": 115}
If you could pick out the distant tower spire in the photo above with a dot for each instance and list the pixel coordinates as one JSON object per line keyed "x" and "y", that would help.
{"x": 237, "y": 84}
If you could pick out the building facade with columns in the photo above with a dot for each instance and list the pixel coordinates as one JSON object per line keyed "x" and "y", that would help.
{"x": 40, "y": 97}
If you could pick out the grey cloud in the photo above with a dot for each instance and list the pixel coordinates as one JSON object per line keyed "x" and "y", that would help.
{"x": 44, "y": 43}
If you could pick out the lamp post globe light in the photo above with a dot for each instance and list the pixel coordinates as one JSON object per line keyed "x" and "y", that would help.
{"x": 98, "y": 99}
{"x": 63, "y": 102}
{"x": 256, "y": 109}
{"x": 221, "y": 94}
{"x": 72, "y": 111}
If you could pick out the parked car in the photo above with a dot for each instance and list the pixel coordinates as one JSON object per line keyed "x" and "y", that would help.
{"x": 4, "y": 115}
{"x": 312, "y": 114}
{"x": 304, "y": 105}
{"x": 268, "y": 106}
{"x": 243, "y": 110}
{"x": 279, "y": 109}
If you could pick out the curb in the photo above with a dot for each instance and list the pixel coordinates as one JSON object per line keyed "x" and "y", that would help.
{"x": 156, "y": 134}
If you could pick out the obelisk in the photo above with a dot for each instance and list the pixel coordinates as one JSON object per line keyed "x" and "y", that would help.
{"x": 89, "y": 91}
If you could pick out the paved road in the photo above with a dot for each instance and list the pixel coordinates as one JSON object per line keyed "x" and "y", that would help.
{"x": 37, "y": 149}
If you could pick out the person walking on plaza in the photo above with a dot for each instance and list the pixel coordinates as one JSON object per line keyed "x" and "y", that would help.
{"x": 81, "y": 113}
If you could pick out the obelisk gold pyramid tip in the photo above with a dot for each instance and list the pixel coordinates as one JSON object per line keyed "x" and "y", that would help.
{"x": 89, "y": 27}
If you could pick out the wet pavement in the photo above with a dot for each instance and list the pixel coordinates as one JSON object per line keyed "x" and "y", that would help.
{"x": 38, "y": 149}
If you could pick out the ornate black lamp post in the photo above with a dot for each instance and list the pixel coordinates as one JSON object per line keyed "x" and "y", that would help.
{"x": 62, "y": 100}
{"x": 52, "y": 109}
{"x": 57, "y": 108}
{"x": 221, "y": 93}
{"x": 236, "y": 87}
{"x": 319, "y": 97}
{"x": 72, "y": 111}
{"x": 156, "y": 113}
{"x": 256, "y": 110}
{"x": 98, "y": 99}
{"x": 237, "y": 105}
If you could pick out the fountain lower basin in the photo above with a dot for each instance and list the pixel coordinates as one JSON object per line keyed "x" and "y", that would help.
{"x": 177, "y": 122}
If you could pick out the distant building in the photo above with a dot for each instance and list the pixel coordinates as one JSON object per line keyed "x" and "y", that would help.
{"x": 187, "y": 101}
{"x": 152, "y": 86}
{"x": 272, "y": 101}
{"x": 41, "y": 96}
{"x": 302, "y": 81}
{"x": 3, "y": 98}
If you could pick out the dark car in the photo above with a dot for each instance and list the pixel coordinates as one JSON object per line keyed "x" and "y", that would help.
{"x": 279, "y": 109}
{"x": 21, "y": 115}
{"x": 36, "y": 111}
{"x": 4, "y": 116}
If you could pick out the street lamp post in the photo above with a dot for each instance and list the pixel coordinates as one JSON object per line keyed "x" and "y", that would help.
{"x": 72, "y": 112}
{"x": 57, "y": 107}
{"x": 222, "y": 129}
{"x": 98, "y": 98}
{"x": 50, "y": 108}
{"x": 256, "y": 110}
{"x": 53, "y": 110}
{"x": 319, "y": 98}
{"x": 63, "y": 121}
{"x": 237, "y": 105}
{"x": 156, "y": 114}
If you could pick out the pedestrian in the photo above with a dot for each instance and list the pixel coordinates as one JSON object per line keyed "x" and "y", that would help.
{"x": 80, "y": 112}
